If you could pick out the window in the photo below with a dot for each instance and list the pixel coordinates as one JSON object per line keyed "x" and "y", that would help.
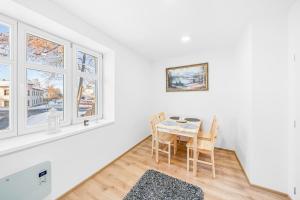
{"x": 43, "y": 69}
{"x": 53, "y": 86}
{"x": 7, "y": 77}
{"x": 88, "y": 101}
{"x": 48, "y": 76}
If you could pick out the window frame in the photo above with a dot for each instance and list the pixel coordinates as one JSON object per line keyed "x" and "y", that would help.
{"x": 11, "y": 61}
{"x": 98, "y": 77}
{"x": 23, "y": 65}
{"x": 18, "y": 92}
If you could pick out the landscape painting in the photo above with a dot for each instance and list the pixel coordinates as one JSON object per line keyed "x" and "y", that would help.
{"x": 187, "y": 78}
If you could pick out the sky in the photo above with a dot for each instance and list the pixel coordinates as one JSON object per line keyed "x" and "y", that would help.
{"x": 34, "y": 74}
{"x": 4, "y": 72}
{"x": 4, "y": 29}
{"x": 43, "y": 78}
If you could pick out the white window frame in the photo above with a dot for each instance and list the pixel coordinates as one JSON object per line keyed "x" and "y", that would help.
{"x": 97, "y": 77}
{"x": 23, "y": 30}
{"x": 12, "y": 62}
{"x": 18, "y": 79}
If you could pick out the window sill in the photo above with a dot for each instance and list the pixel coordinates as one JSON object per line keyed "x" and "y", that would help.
{"x": 19, "y": 143}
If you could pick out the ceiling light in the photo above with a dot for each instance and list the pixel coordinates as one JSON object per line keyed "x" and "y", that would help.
{"x": 185, "y": 39}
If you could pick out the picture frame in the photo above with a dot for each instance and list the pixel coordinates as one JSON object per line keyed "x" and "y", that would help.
{"x": 187, "y": 78}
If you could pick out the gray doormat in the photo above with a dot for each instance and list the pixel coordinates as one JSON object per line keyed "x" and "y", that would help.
{"x": 154, "y": 185}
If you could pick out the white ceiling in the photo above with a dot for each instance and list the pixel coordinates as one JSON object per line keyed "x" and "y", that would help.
{"x": 153, "y": 28}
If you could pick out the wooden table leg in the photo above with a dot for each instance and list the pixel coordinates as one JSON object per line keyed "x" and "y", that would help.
{"x": 156, "y": 146}
{"x": 195, "y": 154}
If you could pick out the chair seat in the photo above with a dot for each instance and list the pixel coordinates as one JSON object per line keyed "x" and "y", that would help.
{"x": 203, "y": 135}
{"x": 165, "y": 137}
{"x": 201, "y": 144}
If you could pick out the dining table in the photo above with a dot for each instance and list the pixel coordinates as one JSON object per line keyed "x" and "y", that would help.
{"x": 179, "y": 127}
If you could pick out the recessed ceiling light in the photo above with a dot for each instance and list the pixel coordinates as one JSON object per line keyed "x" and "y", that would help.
{"x": 185, "y": 39}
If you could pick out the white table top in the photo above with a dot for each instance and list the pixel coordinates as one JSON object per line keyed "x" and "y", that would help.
{"x": 189, "y": 129}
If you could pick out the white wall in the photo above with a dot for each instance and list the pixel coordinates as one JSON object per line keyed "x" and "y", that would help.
{"x": 270, "y": 103}
{"x": 262, "y": 142}
{"x": 220, "y": 99}
{"x": 294, "y": 97}
{"x": 244, "y": 64}
{"x": 75, "y": 158}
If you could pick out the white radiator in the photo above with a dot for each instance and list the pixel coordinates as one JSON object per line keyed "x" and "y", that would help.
{"x": 33, "y": 183}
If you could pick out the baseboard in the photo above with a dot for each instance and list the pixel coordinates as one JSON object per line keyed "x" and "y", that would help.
{"x": 248, "y": 180}
{"x": 271, "y": 190}
{"x": 107, "y": 165}
{"x": 230, "y": 150}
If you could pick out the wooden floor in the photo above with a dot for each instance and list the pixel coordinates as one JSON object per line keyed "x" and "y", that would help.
{"x": 114, "y": 181}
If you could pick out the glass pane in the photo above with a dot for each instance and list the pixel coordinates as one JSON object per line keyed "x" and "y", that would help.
{"x": 86, "y": 98}
{"x": 4, "y": 40}
{"x": 44, "y": 52}
{"x": 45, "y": 90}
{"x": 4, "y": 96}
{"x": 86, "y": 62}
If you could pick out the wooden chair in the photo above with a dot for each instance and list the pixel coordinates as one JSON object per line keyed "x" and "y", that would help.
{"x": 164, "y": 139}
{"x": 206, "y": 135}
{"x": 161, "y": 116}
{"x": 206, "y": 145}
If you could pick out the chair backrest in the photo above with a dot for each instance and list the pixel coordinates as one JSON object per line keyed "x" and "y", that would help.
{"x": 214, "y": 129}
{"x": 153, "y": 121}
{"x": 200, "y": 130}
{"x": 161, "y": 116}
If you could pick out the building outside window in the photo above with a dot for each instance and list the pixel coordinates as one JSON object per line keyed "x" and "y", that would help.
{"x": 38, "y": 100}
{"x": 4, "y": 95}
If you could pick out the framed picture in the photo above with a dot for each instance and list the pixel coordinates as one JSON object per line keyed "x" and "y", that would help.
{"x": 187, "y": 78}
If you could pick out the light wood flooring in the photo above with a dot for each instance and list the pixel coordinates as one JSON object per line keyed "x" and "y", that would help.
{"x": 114, "y": 181}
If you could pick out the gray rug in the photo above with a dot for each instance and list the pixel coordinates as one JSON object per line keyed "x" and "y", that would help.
{"x": 154, "y": 185}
